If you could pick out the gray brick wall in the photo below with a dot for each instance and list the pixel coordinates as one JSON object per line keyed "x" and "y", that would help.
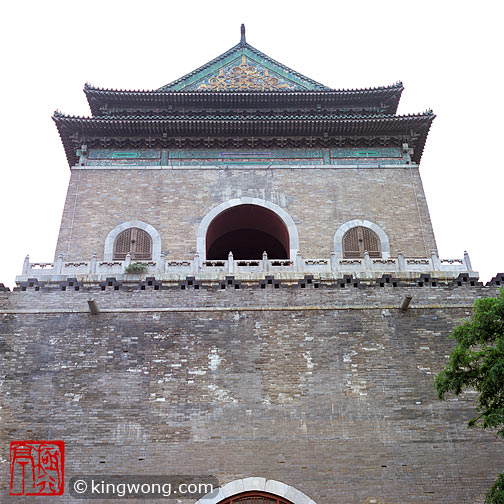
{"x": 330, "y": 391}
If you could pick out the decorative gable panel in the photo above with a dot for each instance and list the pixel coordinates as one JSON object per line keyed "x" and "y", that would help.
{"x": 243, "y": 68}
{"x": 243, "y": 75}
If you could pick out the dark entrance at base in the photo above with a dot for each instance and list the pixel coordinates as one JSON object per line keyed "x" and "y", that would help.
{"x": 247, "y": 231}
{"x": 255, "y": 497}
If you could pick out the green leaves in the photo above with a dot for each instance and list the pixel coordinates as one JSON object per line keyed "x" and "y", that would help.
{"x": 477, "y": 362}
{"x": 496, "y": 493}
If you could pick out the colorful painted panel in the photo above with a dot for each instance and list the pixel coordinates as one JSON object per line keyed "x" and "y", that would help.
{"x": 369, "y": 162}
{"x": 124, "y": 154}
{"x": 272, "y": 157}
{"x": 378, "y": 153}
{"x": 140, "y": 157}
{"x": 369, "y": 156}
{"x": 243, "y": 75}
{"x": 238, "y": 157}
{"x": 123, "y": 162}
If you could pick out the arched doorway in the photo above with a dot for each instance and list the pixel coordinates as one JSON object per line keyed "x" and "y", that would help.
{"x": 262, "y": 490}
{"x": 247, "y": 230}
{"x": 255, "y": 497}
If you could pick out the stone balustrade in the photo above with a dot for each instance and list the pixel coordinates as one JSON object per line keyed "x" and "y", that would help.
{"x": 365, "y": 267}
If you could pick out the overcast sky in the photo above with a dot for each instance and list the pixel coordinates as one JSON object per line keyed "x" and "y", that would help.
{"x": 448, "y": 54}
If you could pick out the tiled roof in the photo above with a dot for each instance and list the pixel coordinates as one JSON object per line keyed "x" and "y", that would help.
{"x": 384, "y": 98}
{"x": 243, "y": 94}
{"x": 414, "y": 127}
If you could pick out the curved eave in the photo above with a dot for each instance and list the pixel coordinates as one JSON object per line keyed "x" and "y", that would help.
{"x": 99, "y": 98}
{"x": 413, "y": 125}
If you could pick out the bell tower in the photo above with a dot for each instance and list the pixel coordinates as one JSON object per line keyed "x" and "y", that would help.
{"x": 245, "y": 167}
{"x": 246, "y": 286}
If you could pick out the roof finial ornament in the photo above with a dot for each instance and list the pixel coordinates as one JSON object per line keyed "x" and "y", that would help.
{"x": 243, "y": 40}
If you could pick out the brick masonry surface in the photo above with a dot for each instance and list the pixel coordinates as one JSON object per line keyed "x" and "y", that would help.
{"x": 175, "y": 201}
{"x": 329, "y": 391}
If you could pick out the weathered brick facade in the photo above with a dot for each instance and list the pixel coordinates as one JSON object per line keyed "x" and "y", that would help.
{"x": 175, "y": 200}
{"x": 327, "y": 390}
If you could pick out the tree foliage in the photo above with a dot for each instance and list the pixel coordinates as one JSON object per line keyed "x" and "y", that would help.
{"x": 477, "y": 362}
{"x": 496, "y": 493}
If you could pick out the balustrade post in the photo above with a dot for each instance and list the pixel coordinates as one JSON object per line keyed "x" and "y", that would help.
{"x": 333, "y": 261}
{"x": 92, "y": 265}
{"x": 436, "y": 264}
{"x": 58, "y": 265}
{"x": 196, "y": 263}
{"x": 264, "y": 265}
{"x": 400, "y": 260}
{"x": 467, "y": 261}
{"x": 299, "y": 262}
{"x": 230, "y": 262}
{"x": 127, "y": 261}
{"x": 367, "y": 261}
{"x": 26, "y": 265}
{"x": 160, "y": 265}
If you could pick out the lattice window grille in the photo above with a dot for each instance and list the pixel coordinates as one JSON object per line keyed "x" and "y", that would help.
{"x": 359, "y": 239}
{"x": 133, "y": 241}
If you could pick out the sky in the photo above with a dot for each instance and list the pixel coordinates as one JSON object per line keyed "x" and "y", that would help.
{"x": 448, "y": 54}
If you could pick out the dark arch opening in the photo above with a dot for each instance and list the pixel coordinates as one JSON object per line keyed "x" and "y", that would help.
{"x": 247, "y": 231}
{"x": 255, "y": 497}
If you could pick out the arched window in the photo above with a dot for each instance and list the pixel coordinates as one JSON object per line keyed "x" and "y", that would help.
{"x": 359, "y": 239}
{"x": 255, "y": 497}
{"x": 133, "y": 241}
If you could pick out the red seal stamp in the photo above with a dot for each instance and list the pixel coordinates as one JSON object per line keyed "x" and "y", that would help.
{"x": 37, "y": 467}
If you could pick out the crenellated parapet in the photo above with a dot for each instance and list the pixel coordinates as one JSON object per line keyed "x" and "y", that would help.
{"x": 234, "y": 282}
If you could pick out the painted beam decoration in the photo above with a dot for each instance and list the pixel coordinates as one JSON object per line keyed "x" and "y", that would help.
{"x": 107, "y": 157}
{"x": 272, "y": 157}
